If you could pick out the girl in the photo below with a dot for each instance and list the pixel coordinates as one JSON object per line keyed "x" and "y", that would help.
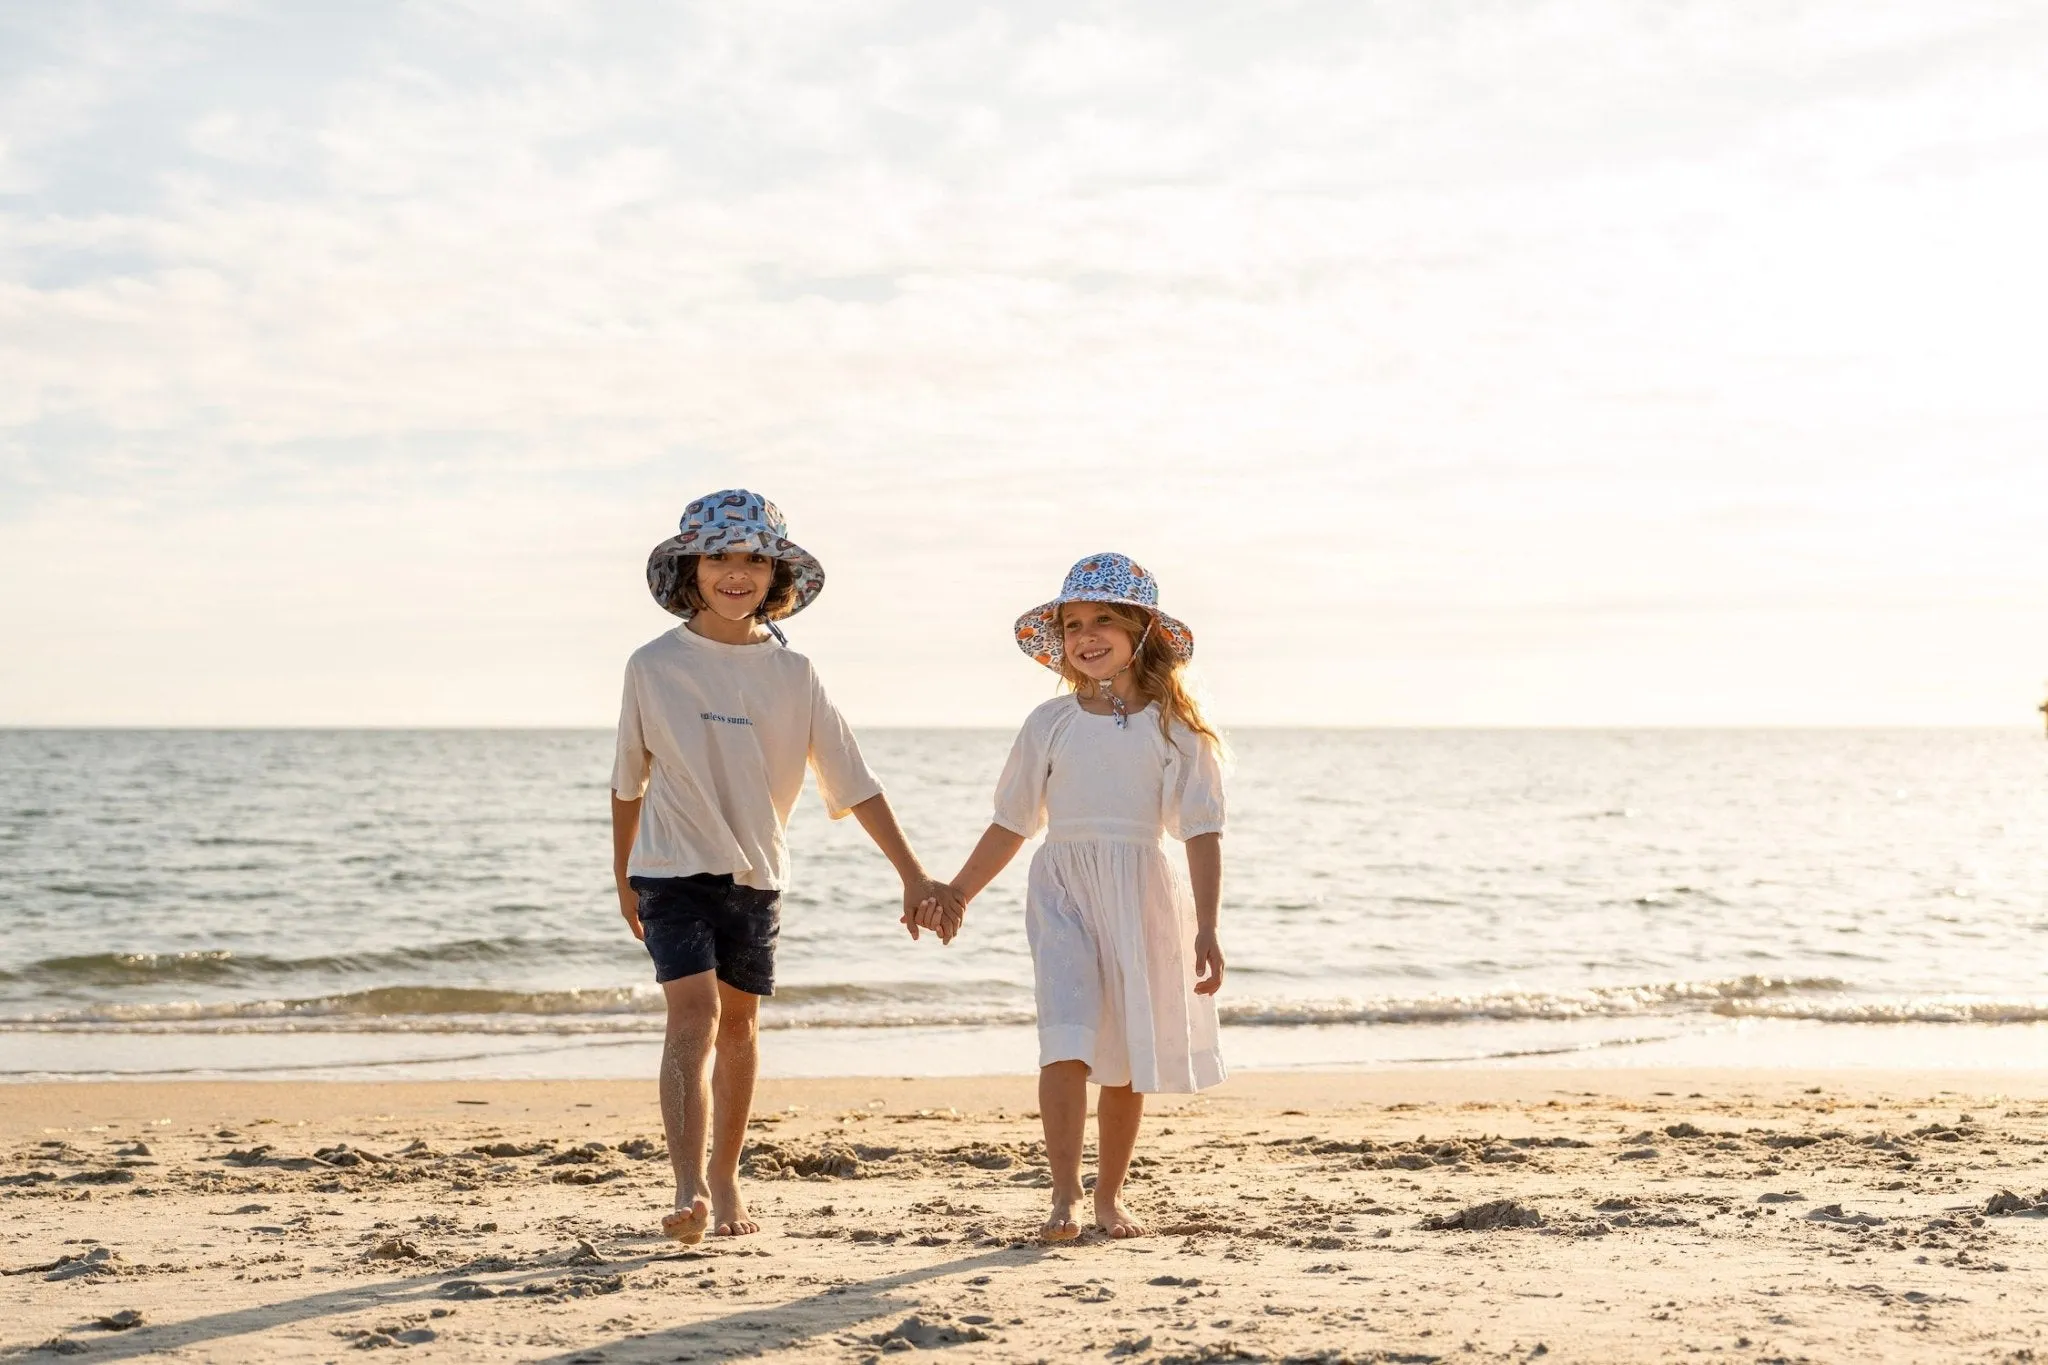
{"x": 1123, "y": 949}
{"x": 718, "y": 724}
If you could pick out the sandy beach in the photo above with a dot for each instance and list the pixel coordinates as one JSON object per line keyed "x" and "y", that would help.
{"x": 1418, "y": 1216}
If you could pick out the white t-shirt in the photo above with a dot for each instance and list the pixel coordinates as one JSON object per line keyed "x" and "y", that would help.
{"x": 713, "y": 740}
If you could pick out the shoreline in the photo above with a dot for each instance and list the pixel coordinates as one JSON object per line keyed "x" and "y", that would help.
{"x": 1795, "y": 1214}
{"x": 36, "y": 1107}
{"x": 1600, "y": 1045}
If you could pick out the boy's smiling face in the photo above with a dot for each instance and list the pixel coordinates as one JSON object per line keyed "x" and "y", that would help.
{"x": 1093, "y": 641}
{"x": 732, "y": 583}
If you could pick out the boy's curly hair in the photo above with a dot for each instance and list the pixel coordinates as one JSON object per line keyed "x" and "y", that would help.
{"x": 775, "y": 604}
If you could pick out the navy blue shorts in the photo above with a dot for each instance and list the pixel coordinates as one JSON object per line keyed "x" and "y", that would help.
{"x": 706, "y": 923}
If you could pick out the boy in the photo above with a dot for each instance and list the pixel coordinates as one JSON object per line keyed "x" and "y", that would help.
{"x": 718, "y": 723}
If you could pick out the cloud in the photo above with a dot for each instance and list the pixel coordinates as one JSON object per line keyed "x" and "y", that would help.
{"x": 1454, "y": 309}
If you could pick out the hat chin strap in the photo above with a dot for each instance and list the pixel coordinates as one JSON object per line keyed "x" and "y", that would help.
{"x": 761, "y": 615}
{"x": 1104, "y": 690}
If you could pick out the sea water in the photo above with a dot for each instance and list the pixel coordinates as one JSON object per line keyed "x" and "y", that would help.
{"x": 439, "y": 903}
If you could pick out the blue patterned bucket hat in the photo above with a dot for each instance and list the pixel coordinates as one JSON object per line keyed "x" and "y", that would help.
{"x": 722, "y": 522}
{"x": 1100, "y": 578}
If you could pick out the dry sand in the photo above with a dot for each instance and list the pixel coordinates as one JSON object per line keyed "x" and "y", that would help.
{"x": 1744, "y": 1216}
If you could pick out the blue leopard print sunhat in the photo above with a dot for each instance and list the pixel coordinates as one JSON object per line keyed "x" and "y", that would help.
{"x": 1100, "y": 578}
{"x": 732, "y": 519}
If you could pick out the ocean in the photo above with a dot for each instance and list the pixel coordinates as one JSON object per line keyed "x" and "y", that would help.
{"x": 370, "y": 904}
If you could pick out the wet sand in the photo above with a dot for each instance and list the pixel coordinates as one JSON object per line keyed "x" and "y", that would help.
{"x": 1308, "y": 1217}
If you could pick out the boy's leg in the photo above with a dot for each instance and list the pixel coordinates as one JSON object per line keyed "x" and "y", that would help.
{"x": 693, "y": 1010}
{"x": 1063, "y": 1109}
{"x": 732, "y": 1090}
{"x": 1118, "y": 1111}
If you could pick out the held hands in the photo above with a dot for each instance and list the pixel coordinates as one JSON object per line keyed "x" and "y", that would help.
{"x": 933, "y": 905}
{"x": 1208, "y": 963}
{"x": 944, "y": 912}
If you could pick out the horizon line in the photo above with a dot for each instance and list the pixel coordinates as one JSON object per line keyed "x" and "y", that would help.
{"x": 1380, "y": 727}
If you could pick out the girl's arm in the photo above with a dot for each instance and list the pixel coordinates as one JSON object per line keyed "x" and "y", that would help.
{"x": 1205, "y": 874}
{"x": 625, "y": 826}
{"x": 879, "y": 821}
{"x": 998, "y": 845}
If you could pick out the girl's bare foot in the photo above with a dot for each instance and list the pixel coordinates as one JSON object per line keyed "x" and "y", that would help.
{"x": 1060, "y": 1225}
{"x": 687, "y": 1224}
{"x": 729, "y": 1212}
{"x": 1116, "y": 1220}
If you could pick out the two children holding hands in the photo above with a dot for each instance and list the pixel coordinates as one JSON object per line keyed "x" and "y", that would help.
{"x": 718, "y": 723}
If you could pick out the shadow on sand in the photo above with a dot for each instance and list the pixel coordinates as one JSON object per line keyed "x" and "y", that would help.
{"x": 745, "y": 1332}
{"x": 753, "y": 1330}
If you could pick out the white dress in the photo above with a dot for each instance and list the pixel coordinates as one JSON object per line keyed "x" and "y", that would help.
{"x": 1109, "y": 913}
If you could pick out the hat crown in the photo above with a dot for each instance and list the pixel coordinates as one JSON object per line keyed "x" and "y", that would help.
{"x": 730, "y": 521}
{"x": 1110, "y": 577}
{"x": 1107, "y": 577}
{"x": 734, "y": 509}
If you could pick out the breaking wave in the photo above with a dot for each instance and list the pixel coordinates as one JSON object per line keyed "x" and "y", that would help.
{"x": 1596, "y": 1002}
{"x": 461, "y": 1009}
{"x": 228, "y": 968}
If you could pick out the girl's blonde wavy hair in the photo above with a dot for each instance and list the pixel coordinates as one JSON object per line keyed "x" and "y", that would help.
{"x": 1161, "y": 675}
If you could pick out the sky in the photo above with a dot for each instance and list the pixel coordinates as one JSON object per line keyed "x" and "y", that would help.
{"x": 1451, "y": 362}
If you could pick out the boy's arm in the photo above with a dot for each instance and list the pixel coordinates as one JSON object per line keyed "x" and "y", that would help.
{"x": 1205, "y": 875}
{"x": 625, "y": 825}
{"x": 879, "y": 821}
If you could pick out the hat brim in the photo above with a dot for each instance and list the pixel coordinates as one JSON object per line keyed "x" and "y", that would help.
{"x": 1038, "y": 630}
{"x": 665, "y": 568}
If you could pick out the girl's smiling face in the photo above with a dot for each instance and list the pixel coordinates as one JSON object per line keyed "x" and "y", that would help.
{"x": 732, "y": 583}
{"x": 1092, "y": 640}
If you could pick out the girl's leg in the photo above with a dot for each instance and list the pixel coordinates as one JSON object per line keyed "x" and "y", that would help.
{"x": 732, "y": 1089}
{"x": 686, "y": 1099}
{"x": 1118, "y": 1111}
{"x": 1063, "y": 1108}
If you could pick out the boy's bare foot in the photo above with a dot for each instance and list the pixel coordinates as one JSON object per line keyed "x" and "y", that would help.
{"x": 1113, "y": 1218}
{"x": 729, "y": 1212}
{"x": 687, "y": 1225}
{"x": 1060, "y": 1225}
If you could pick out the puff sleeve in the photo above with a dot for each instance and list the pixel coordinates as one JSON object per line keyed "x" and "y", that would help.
{"x": 1020, "y": 792}
{"x": 1194, "y": 787}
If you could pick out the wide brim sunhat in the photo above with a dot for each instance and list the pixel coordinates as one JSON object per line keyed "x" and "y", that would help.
{"x": 731, "y": 520}
{"x": 1101, "y": 578}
